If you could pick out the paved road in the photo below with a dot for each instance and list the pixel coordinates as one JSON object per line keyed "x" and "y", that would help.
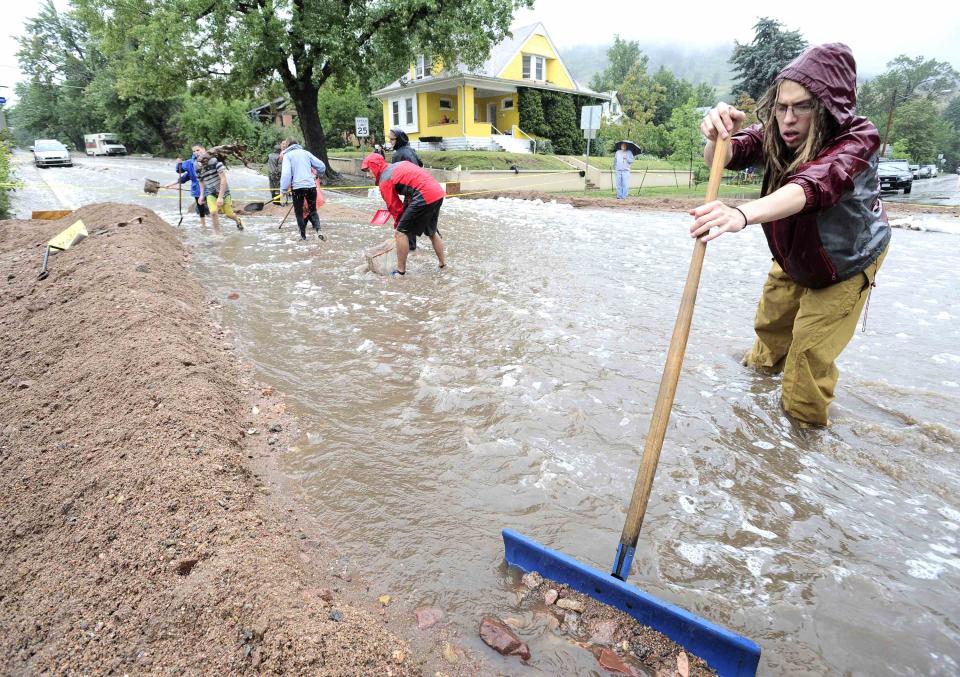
{"x": 943, "y": 190}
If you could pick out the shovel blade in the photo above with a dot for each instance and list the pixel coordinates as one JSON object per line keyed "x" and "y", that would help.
{"x": 728, "y": 653}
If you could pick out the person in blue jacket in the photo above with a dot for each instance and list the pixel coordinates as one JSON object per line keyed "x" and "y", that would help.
{"x": 297, "y": 174}
{"x": 187, "y": 171}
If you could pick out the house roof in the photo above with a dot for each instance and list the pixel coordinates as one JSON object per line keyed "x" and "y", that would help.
{"x": 501, "y": 54}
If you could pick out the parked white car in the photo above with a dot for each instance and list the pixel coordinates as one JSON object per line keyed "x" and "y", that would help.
{"x": 50, "y": 153}
{"x": 934, "y": 172}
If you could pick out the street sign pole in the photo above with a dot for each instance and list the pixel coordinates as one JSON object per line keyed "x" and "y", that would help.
{"x": 589, "y": 123}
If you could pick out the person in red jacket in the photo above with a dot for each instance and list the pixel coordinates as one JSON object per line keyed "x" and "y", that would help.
{"x": 420, "y": 210}
{"x": 822, "y": 217}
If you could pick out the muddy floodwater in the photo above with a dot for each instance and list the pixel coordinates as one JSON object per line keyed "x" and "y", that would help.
{"x": 514, "y": 390}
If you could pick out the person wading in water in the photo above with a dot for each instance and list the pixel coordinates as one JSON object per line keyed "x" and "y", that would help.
{"x": 821, "y": 213}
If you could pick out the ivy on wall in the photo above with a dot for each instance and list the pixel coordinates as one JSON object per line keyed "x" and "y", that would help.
{"x": 555, "y": 116}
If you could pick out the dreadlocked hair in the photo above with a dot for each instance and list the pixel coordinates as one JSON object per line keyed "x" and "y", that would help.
{"x": 780, "y": 161}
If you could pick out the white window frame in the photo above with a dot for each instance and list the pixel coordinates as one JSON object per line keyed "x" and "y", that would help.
{"x": 532, "y": 63}
{"x": 423, "y": 68}
{"x": 448, "y": 100}
{"x": 507, "y": 104}
{"x": 400, "y": 108}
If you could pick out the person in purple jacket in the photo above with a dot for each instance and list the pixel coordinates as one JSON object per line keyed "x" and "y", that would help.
{"x": 822, "y": 217}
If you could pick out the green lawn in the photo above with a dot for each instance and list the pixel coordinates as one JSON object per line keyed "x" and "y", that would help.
{"x": 641, "y": 163}
{"x": 476, "y": 159}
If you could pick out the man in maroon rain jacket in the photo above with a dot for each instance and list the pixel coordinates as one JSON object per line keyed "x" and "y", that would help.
{"x": 419, "y": 213}
{"x": 822, "y": 217}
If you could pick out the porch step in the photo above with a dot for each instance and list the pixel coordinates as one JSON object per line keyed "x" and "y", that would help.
{"x": 510, "y": 144}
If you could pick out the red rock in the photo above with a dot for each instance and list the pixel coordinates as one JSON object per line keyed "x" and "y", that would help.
{"x": 428, "y": 616}
{"x": 500, "y": 638}
{"x": 610, "y": 661}
{"x": 233, "y": 296}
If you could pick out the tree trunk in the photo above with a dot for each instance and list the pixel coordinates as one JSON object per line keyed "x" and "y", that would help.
{"x": 304, "y": 97}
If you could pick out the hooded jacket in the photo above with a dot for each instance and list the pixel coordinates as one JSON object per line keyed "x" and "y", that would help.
{"x": 414, "y": 183}
{"x": 296, "y": 168}
{"x": 402, "y": 149}
{"x": 843, "y": 226}
{"x": 188, "y": 172}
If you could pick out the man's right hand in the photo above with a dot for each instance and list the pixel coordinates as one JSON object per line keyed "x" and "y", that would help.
{"x": 721, "y": 121}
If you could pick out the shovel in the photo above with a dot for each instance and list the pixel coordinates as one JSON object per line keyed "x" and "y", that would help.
{"x": 727, "y": 653}
{"x": 151, "y": 186}
{"x": 180, "y": 202}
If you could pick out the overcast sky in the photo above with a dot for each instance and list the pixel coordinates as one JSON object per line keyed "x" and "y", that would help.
{"x": 876, "y": 31}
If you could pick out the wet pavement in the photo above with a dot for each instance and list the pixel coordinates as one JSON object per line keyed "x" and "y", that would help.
{"x": 515, "y": 389}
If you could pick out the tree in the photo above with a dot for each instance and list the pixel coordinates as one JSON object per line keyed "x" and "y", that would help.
{"x": 758, "y": 63}
{"x": 623, "y": 55}
{"x": 71, "y": 88}
{"x": 340, "y": 104}
{"x": 919, "y": 125}
{"x": 684, "y": 129}
{"x": 904, "y": 80}
{"x": 305, "y": 44}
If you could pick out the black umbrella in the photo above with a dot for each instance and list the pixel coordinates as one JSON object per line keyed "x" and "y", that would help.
{"x": 631, "y": 146}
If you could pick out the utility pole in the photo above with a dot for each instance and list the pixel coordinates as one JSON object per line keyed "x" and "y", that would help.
{"x": 886, "y": 132}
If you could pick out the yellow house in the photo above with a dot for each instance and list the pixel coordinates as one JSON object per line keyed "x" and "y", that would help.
{"x": 478, "y": 109}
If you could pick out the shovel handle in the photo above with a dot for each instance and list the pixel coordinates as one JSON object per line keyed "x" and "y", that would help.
{"x": 285, "y": 217}
{"x": 668, "y": 388}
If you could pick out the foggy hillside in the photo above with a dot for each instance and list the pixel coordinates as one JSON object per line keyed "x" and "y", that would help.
{"x": 708, "y": 64}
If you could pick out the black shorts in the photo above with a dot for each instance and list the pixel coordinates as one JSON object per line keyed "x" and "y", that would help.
{"x": 420, "y": 220}
{"x": 202, "y": 208}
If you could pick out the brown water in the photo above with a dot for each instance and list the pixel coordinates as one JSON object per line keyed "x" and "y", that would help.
{"x": 514, "y": 390}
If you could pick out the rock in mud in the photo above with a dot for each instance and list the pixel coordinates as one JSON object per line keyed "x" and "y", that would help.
{"x": 532, "y": 580}
{"x": 570, "y": 604}
{"x": 428, "y": 616}
{"x": 500, "y": 638}
{"x": 603, "y": 632}
{"x": 551, "y": 597}
{"x": 610, "y": 661}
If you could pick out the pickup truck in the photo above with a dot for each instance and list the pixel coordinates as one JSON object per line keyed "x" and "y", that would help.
{"x": 894, "y": 175}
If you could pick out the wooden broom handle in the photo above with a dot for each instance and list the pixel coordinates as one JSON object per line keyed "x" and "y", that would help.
{"x": 671, "y": 371}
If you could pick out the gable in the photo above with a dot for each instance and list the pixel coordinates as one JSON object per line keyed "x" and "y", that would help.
{"x": 539, "y": 44}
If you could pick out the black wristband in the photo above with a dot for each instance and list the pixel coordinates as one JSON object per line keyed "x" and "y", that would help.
{"x": 743, "y": 215}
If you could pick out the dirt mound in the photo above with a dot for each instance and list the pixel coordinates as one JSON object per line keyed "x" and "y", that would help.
{"x": 140, "y": 530}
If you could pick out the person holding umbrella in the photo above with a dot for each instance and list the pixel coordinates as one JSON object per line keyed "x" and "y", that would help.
{"x": 622, "y": 160}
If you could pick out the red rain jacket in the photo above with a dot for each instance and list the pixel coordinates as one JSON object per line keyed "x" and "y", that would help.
{"x": 843, "y": 227}
{"x": 416, "y": 184}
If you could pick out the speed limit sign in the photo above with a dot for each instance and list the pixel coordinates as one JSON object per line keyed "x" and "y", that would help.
{"x": 363, "y": 126}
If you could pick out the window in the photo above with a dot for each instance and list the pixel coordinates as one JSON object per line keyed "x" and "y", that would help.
{"x": 403, "y": 113}
{"x": 446, "y": 103}
{"x": 423, "y": 68}
{"x": 506, "y": 104}
{"x": 534, "y": 67}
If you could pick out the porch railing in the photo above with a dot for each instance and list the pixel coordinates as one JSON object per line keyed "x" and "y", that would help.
{"x": 516, "y": 131}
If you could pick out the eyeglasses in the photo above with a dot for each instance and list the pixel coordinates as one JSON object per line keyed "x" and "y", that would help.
{"x": 800, "y": 110}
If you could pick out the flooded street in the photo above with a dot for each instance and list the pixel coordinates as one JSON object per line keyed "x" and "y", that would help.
{"x": 514, "y": 390}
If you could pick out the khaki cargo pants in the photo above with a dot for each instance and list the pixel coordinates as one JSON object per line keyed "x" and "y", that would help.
{"x": 802, "y": 331}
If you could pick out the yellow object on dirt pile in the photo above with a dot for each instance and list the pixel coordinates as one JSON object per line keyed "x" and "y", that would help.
{"x": 62, "y": 242}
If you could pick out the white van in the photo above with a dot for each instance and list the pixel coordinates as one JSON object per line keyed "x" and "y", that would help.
{"x": 103, "y": 144}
